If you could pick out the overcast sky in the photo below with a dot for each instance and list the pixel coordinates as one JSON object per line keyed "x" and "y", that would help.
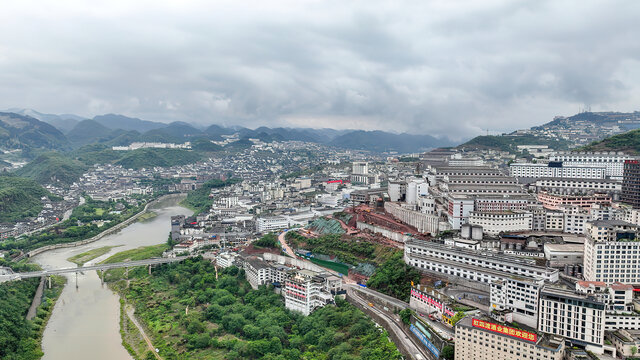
{"x": 451, "y": 68}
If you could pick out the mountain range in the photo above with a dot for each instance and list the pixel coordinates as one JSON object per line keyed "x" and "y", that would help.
{"x": 113, "y": 129}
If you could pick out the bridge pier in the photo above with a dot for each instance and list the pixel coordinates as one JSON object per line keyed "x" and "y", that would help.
{"x": 76, "y": 280}
{"x": 149, "y": 269}
{"x": 102, "y": 277}
{"x": 49, "y": 278}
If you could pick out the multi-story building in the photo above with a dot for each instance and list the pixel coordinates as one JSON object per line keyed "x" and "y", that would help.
{"x": 397, "y": 190}
{"x": 495, "y": 222}
{"x": 482, "y": 338}
{"x": 458, "y": 209}
{"x": 556, "y": 201}
{"x": 257, "y": 271}
{"x": 513, "y": 283}
{"x": 503, "y": 203}
{"x": 519, "y": 296}
{"x": 611, "y": 252}
{"x": 305, "y": 290}
{"x": 612, "y": 161}
{"x": 631, "y": 183}
{"x": 575, "y": 219}
{"x": 266, "y": 224}
{"x": 581, "y": 186}
{"x": 435, "y": 257}
{"x": 576, "y": 317}
{"x": 556, "y": 170}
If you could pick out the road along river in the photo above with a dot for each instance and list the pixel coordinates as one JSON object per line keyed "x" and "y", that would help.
{"x": 85, "y": 321}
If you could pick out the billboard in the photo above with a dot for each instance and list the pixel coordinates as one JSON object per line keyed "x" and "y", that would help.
{"x": 505, "y": 330}
{"x": 425, "y": 341}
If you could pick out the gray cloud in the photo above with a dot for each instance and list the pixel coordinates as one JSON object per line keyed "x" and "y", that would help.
{"x": 442, "y": 68}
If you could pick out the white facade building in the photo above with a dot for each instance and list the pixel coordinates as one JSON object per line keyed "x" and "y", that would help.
{"x": 495, "y": 222}
{"x": 612, "y": 252}
{"x": 536, "y": 170}
{"x": 266, "y": 224}
{"x": 612, "y": 161}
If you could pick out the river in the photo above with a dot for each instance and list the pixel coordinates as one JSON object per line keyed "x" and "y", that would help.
{"x": 85, "y": 323}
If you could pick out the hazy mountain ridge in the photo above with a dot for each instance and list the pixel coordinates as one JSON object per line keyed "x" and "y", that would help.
{"x": 25, "y": 132}
{"x": 115, "y": 129}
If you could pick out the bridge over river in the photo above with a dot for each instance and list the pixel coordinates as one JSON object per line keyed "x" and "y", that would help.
{"x": 103, "y": 267}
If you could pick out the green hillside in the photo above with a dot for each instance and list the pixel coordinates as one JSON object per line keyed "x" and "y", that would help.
{"x": 146, "y": 158}
{"x": 628, "y": 142}
{"x": 53, "y": 168}
{"x": 20, "y": 198}
{"x": 24, "y": 132}
{"x": 510, "y": 143}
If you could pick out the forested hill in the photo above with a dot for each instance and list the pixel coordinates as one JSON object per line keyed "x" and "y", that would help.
{"x": 20, "y": 198}
{"x": 628, "y": 142}
{"x": 53, "y": 168}
{"x": 510, "y": 142}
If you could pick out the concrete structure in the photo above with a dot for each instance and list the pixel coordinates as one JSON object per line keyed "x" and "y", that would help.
{"x": 440, "y": 258}
{"x": 611, "y": 252}
{"x": 556, "y": 201}
{"x": 305, "y": 290}
{"x": 458, "y": 209}
{"x": 556, "y": 170}
{"x": 576, "y": 317}
{"x": 613, "y": 162}
{"x": 573, "y": 186}
{"x": 495, "y": 222}
{"x": 425, "y": 223}
{"x": 483, "y": 338}
{"x": 559, "y": 255}
{"x": 267, "y": 224}
{"x": 631, "y": 183}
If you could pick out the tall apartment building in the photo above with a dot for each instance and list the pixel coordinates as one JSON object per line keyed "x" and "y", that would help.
{"x": 482, "y": 338}
{"x": 576, "y": 317}
{"x": 458, "y": 209}
{"x": 360, "y": 168}
{"x": 612, "y": 252}
{"x": 612, "y": 161}
{"x": 631, "y": 183}
{"x": 305, "y": 290}
{"x": 519, "y": 296}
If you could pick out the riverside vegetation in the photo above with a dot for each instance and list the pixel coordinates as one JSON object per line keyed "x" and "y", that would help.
{"x": 189, "y": 312}
{"x": 85, "y": 221}
{"x": 20, "y": 338}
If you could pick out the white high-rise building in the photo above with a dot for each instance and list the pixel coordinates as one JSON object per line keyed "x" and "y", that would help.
{"x": 612, "y": 252}
{"x": 576, "y": 317}
{"x": 360, "y": 168}
{"x": 613, "y": 162}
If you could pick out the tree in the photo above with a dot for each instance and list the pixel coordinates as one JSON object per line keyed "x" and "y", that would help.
{"x": 405, "y": 315}
{"x": 394, "y": 277}
{"x": 448, "y": 352}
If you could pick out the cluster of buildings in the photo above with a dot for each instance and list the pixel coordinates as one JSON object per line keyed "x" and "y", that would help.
{"x": 554, "y": 245}
{"x": 303, "y": 285}
{"x": 152, "y": 145}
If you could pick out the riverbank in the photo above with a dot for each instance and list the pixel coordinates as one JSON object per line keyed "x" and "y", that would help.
{"x": 85, "y": 323}
{"x": 109, "y": 231}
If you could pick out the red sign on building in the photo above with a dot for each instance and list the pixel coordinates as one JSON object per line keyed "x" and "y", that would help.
{"x": 505, "y": 330}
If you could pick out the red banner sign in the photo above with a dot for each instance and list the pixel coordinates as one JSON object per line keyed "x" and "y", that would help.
{"x": 505, "y": 330}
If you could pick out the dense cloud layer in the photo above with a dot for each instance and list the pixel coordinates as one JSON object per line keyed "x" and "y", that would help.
{"x": 438, "y": 67}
